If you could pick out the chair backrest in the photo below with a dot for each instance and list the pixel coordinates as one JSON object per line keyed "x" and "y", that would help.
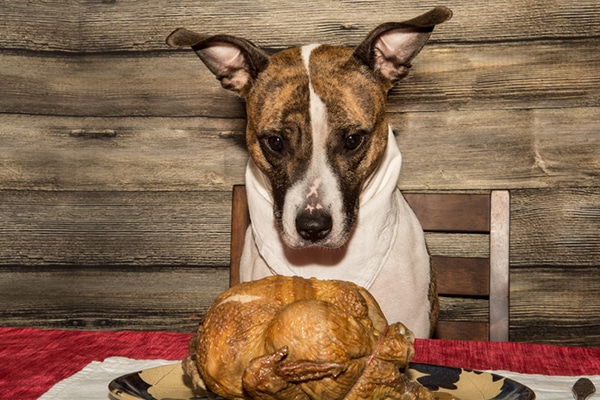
{"x": 457, "y": 277}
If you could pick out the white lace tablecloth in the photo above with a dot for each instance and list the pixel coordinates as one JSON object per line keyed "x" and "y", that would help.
{"x": 91, "y": 382}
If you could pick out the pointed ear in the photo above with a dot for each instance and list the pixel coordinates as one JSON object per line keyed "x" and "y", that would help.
{"x": 389, "y": 48}
{"x": 236, "y": 62}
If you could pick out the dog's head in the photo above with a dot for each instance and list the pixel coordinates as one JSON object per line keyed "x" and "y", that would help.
{"x": 316, "y": 118}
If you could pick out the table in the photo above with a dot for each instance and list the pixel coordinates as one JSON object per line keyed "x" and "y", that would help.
{"x": 33, "y": 360}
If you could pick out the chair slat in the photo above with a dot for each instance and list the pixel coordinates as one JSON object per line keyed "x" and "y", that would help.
{"x": 443, "y": 212}
{"x": 462, "y": 276}
{"x": 461, "y": 330}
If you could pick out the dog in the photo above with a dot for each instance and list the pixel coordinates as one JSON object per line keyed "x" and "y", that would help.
{"x": 324, "y": 163}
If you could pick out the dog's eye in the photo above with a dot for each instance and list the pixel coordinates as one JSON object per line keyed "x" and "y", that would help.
{"x": 353, "y": 142}
{"x": 275, "y": 143}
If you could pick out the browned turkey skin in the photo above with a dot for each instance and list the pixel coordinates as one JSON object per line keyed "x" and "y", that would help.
{"x": 289, "y": 338}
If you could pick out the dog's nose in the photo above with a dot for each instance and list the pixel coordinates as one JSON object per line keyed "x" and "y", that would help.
{"x": 314, "y": 226}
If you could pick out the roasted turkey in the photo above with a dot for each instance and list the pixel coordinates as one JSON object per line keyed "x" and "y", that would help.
{"x": 290, "y": 338}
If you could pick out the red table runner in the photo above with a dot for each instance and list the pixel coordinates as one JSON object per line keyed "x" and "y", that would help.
{"x": 33, "y": 360}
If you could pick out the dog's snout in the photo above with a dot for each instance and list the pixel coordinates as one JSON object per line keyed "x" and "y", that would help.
{"x": 314, "y": 226}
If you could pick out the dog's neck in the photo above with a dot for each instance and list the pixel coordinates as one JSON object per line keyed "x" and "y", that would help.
{"x": 369, "y": 245}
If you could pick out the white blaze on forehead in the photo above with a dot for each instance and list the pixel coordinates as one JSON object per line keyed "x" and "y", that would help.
{"x": 313, "y": 190}
{"x": 318, "y": 110}
{"x": 306, "y": 50}
{"x": 319, "y": 188}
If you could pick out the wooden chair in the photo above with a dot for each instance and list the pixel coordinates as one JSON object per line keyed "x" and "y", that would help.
{"x": 464, "y": 277}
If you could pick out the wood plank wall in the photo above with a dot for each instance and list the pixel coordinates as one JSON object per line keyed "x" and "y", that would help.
{"x": 117, "y": 154}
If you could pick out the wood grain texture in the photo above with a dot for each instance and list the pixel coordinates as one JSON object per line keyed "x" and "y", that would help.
{"x": 118, "y": 154}
{"x": 520, "y": 149}
{"x": 461, "y": 330}
{"x": 54, "y": 153}
{"x": 451, "y": 212}
{"x": 137, "y": 228}
{"x": 462, "y": 276}
{"x": 76, "y": 229}
{"x": 114, "y": 228}
{"x": 553, "y": 74}
{"x": 566, "y": 308}
{"x": 566, "y": 311}
{"x": 160, "y": 228}
{"x": 149, "y": 298}
{"x": 562, "y": 232}
{"x": 95, "y": 25}
{"x": 444, "y": 150}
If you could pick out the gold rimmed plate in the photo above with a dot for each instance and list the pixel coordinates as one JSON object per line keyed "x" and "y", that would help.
{"x": 168, "y": 382}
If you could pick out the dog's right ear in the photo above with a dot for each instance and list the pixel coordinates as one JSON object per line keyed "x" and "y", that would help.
{"x": 236, "y": 62}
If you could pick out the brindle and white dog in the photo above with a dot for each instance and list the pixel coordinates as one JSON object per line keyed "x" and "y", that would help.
{"x": 324, "y": 164}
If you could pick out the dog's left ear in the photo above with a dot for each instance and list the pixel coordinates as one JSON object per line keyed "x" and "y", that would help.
{"x": 389, "y": 48}
{"x": 235, "y": 61}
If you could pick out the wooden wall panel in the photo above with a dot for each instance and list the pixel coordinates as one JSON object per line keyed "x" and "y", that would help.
{"x": 555, "y": 304}
{"x": 499, "y": 149}
{"x": 176, "y": 83}
{"x": 152, "y": 298}
{"x": 91, "y": 228}
{"x": 548, "y": 227}
{"x": 136, "y": 25}
{"x": 70, "y": 153}
{"x": 451, "y": 150}
{"x": 556, "y": 228}
{"x": 566, "y": 308}
{"x": 117, "y": 153}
